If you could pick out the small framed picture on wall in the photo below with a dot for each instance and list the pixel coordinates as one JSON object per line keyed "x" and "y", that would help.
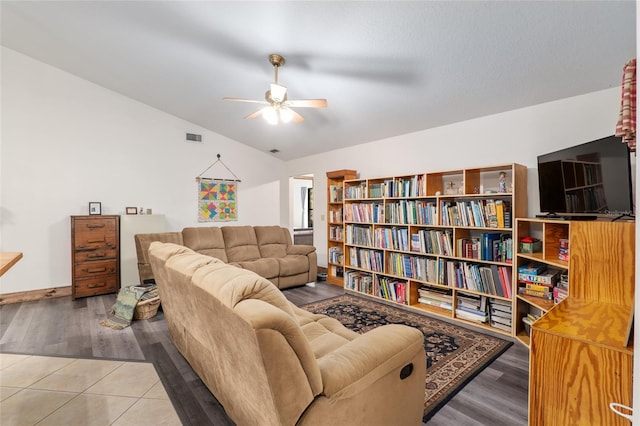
{"x": 132, "y": 210}
{"x": 95, "y": 207}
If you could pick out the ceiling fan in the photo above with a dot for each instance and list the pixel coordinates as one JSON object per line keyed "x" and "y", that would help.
{"x": 278, "y": 107}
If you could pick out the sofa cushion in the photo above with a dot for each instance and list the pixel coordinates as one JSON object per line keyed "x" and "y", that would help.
{"x": 241, "y": 243}
{"x": 206, "y": 240}
{"x": 265, "y": 267}
{"x": 293, "y": 265}
{"x": 231, "y": 285}
{"x": 272, "y": 240}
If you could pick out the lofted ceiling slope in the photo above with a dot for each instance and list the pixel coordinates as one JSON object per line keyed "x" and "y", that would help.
{"x": 386, "y": 68}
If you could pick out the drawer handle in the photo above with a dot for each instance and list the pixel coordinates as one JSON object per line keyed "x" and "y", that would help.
{"x": 96, "y": 241}
{"x": 96, "y": 225}
{"x": 94, "y": 285}
{"x": 95, "y": 255}
{"x": 93, "y": 270}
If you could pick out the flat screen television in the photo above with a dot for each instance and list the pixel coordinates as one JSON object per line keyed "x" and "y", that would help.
{"x": 592, "y": 179}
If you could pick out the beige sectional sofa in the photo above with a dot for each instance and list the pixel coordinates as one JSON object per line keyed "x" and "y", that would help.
{"x": 265, "y": 250}
{"x": 269, "y": 362}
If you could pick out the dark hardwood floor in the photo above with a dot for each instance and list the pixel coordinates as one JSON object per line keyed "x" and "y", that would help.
{"x": 62, "y": 327}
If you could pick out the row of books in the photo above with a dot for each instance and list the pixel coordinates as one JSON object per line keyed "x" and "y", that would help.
{"x": 500, "y": 314}
{"x": 414, "y": 186}
{"x": 335, "y": 193}
{"x": 413, "y": 212}
{"x": 360, "y": 235}
{"x": 391, "y": 238}
{"x": 335, "y": 215}
{"x": 471, "y": 307}
{"x": 366, "y": 259}
{"x": 336, "y": 233}
{"x": 490, "y": 279}
{"x": 486, "y": 213}
{"x": 495, "y": 247}
{"x": 401, "y": 187}
{"x": 364, "y": 212}
{"x": 335, "y": 255}
{"x": 352, "y": 192}
{"x": 434, "y": 296}
{"x": 392, "y": 289}
{"x": 538, "y": 280}
{"x": 359, "y": 281}
{"x": 403, "y": 265}
{"x": 432, "y": 242}
{"x": 384, "y": 287}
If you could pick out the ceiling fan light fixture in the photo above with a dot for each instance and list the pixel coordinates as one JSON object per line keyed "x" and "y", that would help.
{"x": 280, "y": 109}
{"x": 285, "y": 115}
{"x": 277, "y": 92}
{"x": 270, "y": 115}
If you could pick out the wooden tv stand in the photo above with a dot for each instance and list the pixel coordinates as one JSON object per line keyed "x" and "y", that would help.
{"x": 581, "y": 358}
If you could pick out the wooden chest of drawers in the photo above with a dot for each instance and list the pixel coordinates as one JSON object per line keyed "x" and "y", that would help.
{"x": 95, "y": 255}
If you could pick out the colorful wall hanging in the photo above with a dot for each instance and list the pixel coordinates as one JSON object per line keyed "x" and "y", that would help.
{"x": 217, "y": 198}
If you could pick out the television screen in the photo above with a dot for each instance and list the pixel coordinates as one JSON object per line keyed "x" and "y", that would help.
{"x": 592, "y": 178}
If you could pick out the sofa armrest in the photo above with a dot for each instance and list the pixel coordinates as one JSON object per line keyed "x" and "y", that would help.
{"x": 355, "y": 366}
{"x": 300, "y": 249}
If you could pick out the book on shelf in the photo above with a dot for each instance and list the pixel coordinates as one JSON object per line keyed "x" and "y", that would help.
{"x": 536, "y": 293}
{"x": 500, "y": 326}
{"x": 500, "y": 213}
{"x": 563, "y": 249}
{"x": 487, "y": 245}
{"x": 376, "y": 190}
{"x": 532, "y": 268}
{"x": 435, "y": 293}
{"x": 415, "y": 243}
{"x": 536, "y": 286}
{"x": 437, "y": 303}
{"x": 472, "y": 302}
{"x": 491, "y": 212}
{"x": 549, "y": 277}
{"x": 507, "y": 213}
{"x": 559, "y": 294}
{"x": 471, "y": 316}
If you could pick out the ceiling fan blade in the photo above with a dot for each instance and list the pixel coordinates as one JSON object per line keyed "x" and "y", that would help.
{"x": 245, "y": 100}
{"x": 256, "y": 114}
{"x": 296, "y": 118}
{"x": 307, "y": 103}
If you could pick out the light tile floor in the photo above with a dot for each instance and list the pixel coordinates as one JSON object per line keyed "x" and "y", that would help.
{"x": 46, "y": 391}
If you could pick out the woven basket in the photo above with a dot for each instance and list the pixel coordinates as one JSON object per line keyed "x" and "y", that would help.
{"x": 147, "y": 308}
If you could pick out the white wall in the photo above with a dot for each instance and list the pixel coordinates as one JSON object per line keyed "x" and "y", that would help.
{"x": 516, "y": 136}
{"x": 66, "y": 141}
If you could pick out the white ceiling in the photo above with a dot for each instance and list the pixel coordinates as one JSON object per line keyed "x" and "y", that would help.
{"x": 386, "y": 68}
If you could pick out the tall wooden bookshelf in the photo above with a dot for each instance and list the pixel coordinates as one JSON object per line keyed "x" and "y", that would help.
{"x": 581, "y": 357}
{"x": 335, "y": 224}
{"x": 437, "y": 242}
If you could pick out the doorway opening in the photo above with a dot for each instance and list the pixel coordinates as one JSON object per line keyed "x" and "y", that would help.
{"x": 301, "y": 208}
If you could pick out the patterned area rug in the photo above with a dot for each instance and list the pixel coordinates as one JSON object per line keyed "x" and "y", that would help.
{"x": 454, "y": 354}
